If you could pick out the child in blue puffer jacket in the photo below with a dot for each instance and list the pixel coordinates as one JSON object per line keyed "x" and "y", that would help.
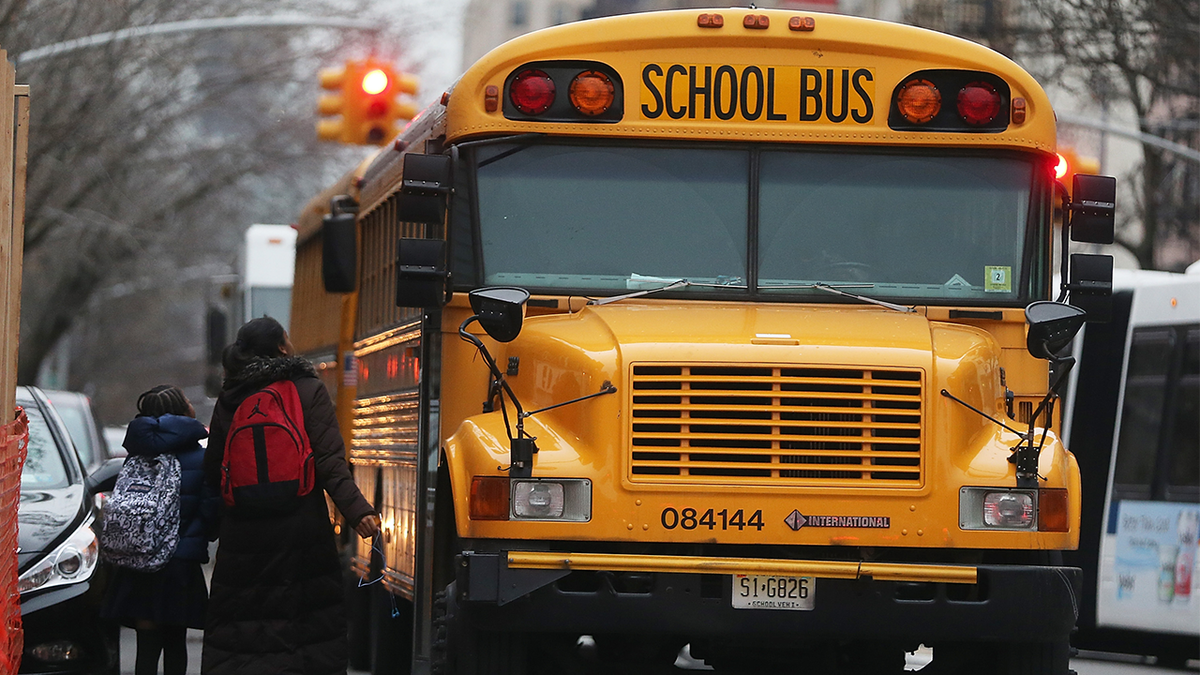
{"x": 162, "y": 605}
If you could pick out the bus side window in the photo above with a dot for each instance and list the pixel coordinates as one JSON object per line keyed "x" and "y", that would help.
{"x": 1142, "y": 412}
{"x": 1183, "y": 480}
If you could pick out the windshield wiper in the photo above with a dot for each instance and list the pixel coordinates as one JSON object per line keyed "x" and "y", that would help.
{"x": 837, "y": 290}
{"x": 678, "y": 283}
{"x": 668, "y": 285}
{"x": 862, "y": 298}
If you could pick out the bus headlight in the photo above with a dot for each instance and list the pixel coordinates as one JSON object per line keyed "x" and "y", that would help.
{"x": 567, "y": 499}
{"x": 997, "y": 509}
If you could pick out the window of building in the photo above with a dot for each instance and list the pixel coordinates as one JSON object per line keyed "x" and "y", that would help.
{"x": 520, "y": 13}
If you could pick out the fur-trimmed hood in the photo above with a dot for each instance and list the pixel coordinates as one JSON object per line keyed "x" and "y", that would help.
{"x": 261, "y": 372}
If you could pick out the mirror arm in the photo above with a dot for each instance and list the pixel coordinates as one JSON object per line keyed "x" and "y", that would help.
{"x": 1026, "y": 454}
{"x": 491, "y": 364}
{"x": 522, "y": 447}
{"x": 1066, "y": 244}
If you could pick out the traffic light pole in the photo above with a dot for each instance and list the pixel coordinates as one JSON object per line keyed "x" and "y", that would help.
{"x": 192, "y": 26}
{"x": 1148, "y": 139}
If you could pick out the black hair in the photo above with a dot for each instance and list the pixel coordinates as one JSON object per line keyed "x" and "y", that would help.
{"x": 165, "y": 399}
{"x": 258, "y": 338}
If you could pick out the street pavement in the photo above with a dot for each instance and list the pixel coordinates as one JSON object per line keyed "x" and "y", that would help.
{"x": 1090, "y": 666}
{"x": 195, "y": 640}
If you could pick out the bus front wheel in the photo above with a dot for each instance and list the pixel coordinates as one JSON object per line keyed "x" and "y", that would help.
{"x": 459, "y": 648}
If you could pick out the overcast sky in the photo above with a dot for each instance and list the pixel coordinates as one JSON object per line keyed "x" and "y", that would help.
{"x": 437, "y": 29}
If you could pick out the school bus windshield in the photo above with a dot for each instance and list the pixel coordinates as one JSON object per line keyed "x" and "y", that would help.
{"x": 941, "y": 228}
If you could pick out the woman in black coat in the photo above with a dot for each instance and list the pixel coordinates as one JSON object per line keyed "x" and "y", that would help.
{"x": 276, "y": 598}
{"x": 162, "y": 605}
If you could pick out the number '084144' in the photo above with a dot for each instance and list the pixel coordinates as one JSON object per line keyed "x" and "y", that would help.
{"x": 689, "y": 518}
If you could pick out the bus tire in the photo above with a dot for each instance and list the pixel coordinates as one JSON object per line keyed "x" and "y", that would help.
{"x": 460, "y": 649}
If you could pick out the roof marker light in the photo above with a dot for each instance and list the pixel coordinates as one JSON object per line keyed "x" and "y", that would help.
{"x": 756, "y": 21}
{"x": 802, "y": 23}
{"x": 1018, "y": 111}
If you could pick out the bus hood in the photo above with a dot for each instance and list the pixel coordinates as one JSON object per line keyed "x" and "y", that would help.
{"x": 611, "y": 337}
{"x": 640, "y": 346}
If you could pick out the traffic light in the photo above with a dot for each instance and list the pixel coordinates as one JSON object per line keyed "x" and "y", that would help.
{"x": 367, "y": 102}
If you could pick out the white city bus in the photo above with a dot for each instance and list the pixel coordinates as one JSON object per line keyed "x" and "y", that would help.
{"x": 268, "y": 267}
{"x": 1132, "y": 418}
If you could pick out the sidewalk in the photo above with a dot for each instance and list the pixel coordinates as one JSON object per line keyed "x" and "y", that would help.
{"x": 195, "y": 640}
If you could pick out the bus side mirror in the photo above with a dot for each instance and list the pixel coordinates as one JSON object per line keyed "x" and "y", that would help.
{"x": 421, "y": 273}
{"x": 1091, "y": 285}
{"x": 1093, "y": 208}
{"x": 339, "y": 246}
{"x": 501, "y": 310}
{"x": 423, "y": 192}
{"x": 1052, "y": 325}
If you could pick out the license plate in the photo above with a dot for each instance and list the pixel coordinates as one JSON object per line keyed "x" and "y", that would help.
{"x": 752, "y": 591}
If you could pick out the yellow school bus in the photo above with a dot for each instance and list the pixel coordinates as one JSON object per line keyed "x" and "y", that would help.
{"x": 728, "y": 331}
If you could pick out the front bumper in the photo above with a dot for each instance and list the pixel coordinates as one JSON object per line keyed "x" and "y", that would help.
{"x": 692, "y": 596}
{"x": 69, "y": 614}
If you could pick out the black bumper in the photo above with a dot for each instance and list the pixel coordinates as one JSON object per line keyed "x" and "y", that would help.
{"x": 69, "y": 614}
{"x": 1009, "y": 603}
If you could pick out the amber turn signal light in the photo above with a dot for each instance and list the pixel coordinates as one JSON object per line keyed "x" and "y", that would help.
{"x": 591, "y": 92}
{"x": 919, "y": 101}
{"x": 1052, "y": 510}
{"x": 489, "y": 498}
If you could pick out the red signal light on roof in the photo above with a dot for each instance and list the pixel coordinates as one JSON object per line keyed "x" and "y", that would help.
{"x": 978, "y": 103}
{"x": 532, "y": 91}
{"x": 375, "y": 82}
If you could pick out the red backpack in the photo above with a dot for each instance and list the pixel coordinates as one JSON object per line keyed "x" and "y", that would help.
{"x": 268, "y": 461}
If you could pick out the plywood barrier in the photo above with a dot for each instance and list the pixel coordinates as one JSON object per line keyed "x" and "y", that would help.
{"x": 14, "y": 429}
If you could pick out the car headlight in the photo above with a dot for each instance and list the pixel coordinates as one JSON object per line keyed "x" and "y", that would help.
{"x": 73, "y": 561}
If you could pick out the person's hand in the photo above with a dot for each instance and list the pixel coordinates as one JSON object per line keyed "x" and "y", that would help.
{"x": 368, "y": 526}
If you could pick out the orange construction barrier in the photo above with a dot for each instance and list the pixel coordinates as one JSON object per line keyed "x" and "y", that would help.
{"x": 14, "y": 442}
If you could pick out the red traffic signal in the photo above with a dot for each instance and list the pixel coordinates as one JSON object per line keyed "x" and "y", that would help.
{"x": 368, "y": 103}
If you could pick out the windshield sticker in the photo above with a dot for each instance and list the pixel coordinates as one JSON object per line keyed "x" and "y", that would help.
{"x": 729, "y": 93}
{"x": 999, "y": 279}
{"x": 797, "y": 520}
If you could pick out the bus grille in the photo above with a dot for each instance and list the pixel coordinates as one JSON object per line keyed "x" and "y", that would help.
{"x": 770, "y": 425}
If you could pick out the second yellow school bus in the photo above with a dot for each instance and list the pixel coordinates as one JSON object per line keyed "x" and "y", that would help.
{"x": 765, "y": 293}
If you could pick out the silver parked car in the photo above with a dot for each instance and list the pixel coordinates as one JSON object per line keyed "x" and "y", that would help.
{"x": 75, "y": 409}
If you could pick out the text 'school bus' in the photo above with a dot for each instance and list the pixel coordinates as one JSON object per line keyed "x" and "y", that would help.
{"x": 1131, "y": 413}
{"x": 725, "y": 328}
